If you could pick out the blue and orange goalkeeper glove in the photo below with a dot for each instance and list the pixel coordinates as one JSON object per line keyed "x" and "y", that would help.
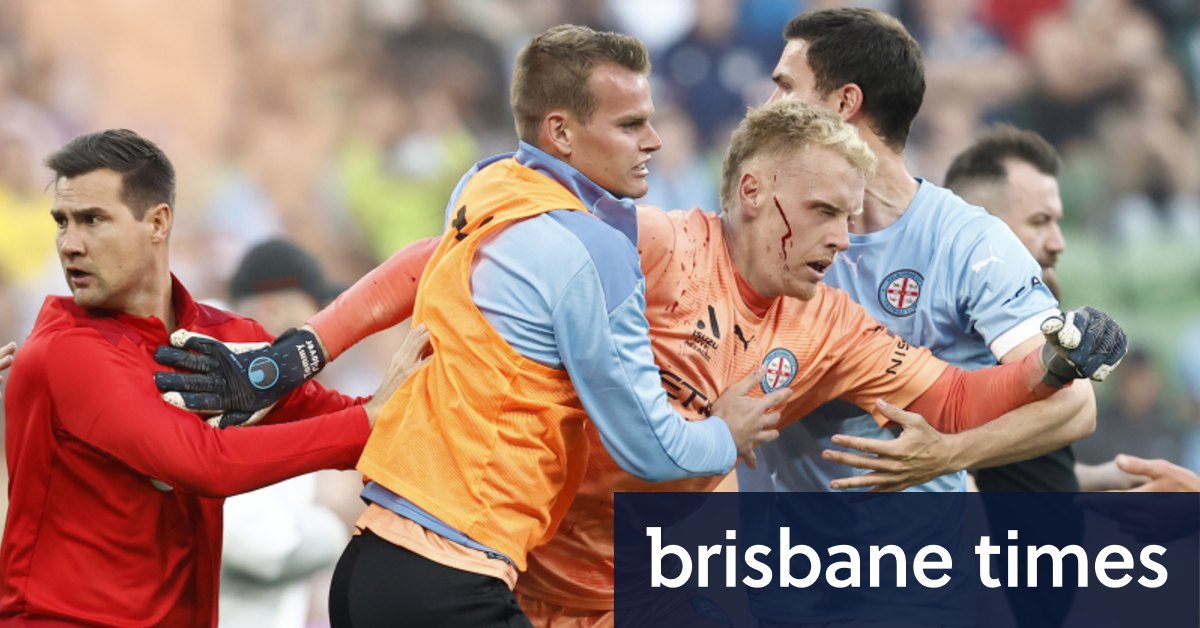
{"x": 239, "y": 383}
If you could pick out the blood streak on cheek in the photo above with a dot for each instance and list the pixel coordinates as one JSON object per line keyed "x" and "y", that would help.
{"x": 787, "y": 236}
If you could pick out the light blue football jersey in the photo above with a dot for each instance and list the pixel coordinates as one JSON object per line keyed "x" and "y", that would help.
{"x": 947, "y": 276}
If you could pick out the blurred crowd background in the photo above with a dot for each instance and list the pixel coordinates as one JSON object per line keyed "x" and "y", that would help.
{"x": 342, "y": 125}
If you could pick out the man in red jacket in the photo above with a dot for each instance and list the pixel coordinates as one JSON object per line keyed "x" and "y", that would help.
{"x": 116, "y": 497}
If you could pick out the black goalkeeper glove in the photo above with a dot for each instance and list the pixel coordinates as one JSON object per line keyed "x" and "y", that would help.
{"x": 1082, "y": 343}
{"x": 237, "y": 382}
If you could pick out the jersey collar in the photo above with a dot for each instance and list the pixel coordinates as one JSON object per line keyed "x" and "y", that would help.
{"x": 618, "y": 213}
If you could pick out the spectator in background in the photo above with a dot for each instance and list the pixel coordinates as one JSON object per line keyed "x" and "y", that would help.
{"x": 1151, "y": 144}
{"x": 1082, "y": 56}
{"x": 407, "y": 144}
{"x": 278, "y": 538}
{"x": 26, "y": 240}
{"x": 27, "y": 131}
{"x": 971, "y": 78}
{"x": 276, "y": 177}
{"x": 443, "y": 50}
{"x": 711, "y": 73}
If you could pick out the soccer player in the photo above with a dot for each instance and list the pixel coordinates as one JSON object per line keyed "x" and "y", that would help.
{"x": 115, "y": 498}
{"x": 724, "y": 294}
{"x": 933, "y": 269}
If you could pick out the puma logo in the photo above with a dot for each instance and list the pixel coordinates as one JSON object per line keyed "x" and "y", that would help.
{"x": 981, "y": 264}
{"x": 851, "y": 262}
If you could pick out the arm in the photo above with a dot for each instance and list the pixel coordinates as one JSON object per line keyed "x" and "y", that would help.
{"x": 601, "y": 334}
{"x": 1006, "y": 307}
{"x": 607, "y": 353}
{"x": 1030, "y": 430}
{"x": 921, "y": 453}
{"x": 382, "y": 298}
{"x": 1003, "y": 302}
{"x": 103, "y": 397}
{"x": 1106, "y": 476}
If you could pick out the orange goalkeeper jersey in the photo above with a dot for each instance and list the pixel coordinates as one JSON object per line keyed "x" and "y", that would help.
{"x": 708, "y": 330}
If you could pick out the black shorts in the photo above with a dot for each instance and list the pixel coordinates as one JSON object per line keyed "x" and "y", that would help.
{"x": 377, "y": 583}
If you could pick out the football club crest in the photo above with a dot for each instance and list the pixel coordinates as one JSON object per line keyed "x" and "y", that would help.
{"x": 900, "y": 291}
{"x": 781, "y": 369}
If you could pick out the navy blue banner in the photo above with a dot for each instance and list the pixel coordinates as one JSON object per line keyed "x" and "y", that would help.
{"x": 908, "y": 560}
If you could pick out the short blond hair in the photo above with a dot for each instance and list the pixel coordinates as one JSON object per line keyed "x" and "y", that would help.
{"x": 552, "y": 72}
{"x": 786, "y": 127}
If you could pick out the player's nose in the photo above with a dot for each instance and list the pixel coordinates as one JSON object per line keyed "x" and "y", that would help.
{"x": 70, "y": 244}
{"x": 1056, "y": 243}
{"x": 840, "y": 237}
{"x": 652, "y": 141}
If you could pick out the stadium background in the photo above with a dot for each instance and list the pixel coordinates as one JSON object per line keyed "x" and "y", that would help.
{"x": 343, "y": 124}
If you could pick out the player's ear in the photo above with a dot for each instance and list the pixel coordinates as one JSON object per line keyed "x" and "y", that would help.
{"x": 750, "y": 195}
{"x": 160, "y": 218}
{"x": 849, "y": 100}
{"x": 555, "y": 134}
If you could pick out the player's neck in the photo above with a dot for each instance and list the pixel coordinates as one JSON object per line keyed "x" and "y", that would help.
{"x": 156, "y": 299}
{"x": 889, "y": 192}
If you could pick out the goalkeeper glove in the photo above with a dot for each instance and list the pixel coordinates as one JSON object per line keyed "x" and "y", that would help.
{"x": 238, "y": 382}
{"x": 1082, "y": 343}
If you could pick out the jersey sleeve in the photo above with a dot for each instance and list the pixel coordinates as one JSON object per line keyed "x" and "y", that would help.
{"x": 384, "y": 297}
{"x": 107, "y": 398}
{"x": 1001, "y": 292}
{"x": 861, "y": 362}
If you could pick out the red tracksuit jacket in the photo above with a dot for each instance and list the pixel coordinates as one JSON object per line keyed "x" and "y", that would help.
{"x": 89, "y": 538}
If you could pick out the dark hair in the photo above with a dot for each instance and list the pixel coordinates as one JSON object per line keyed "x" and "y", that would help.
{"x": 872, "y": 50}
{"x": 984, "y": 159}
{"x": 147, "y": 176}
{"x": 552, "y": 72}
